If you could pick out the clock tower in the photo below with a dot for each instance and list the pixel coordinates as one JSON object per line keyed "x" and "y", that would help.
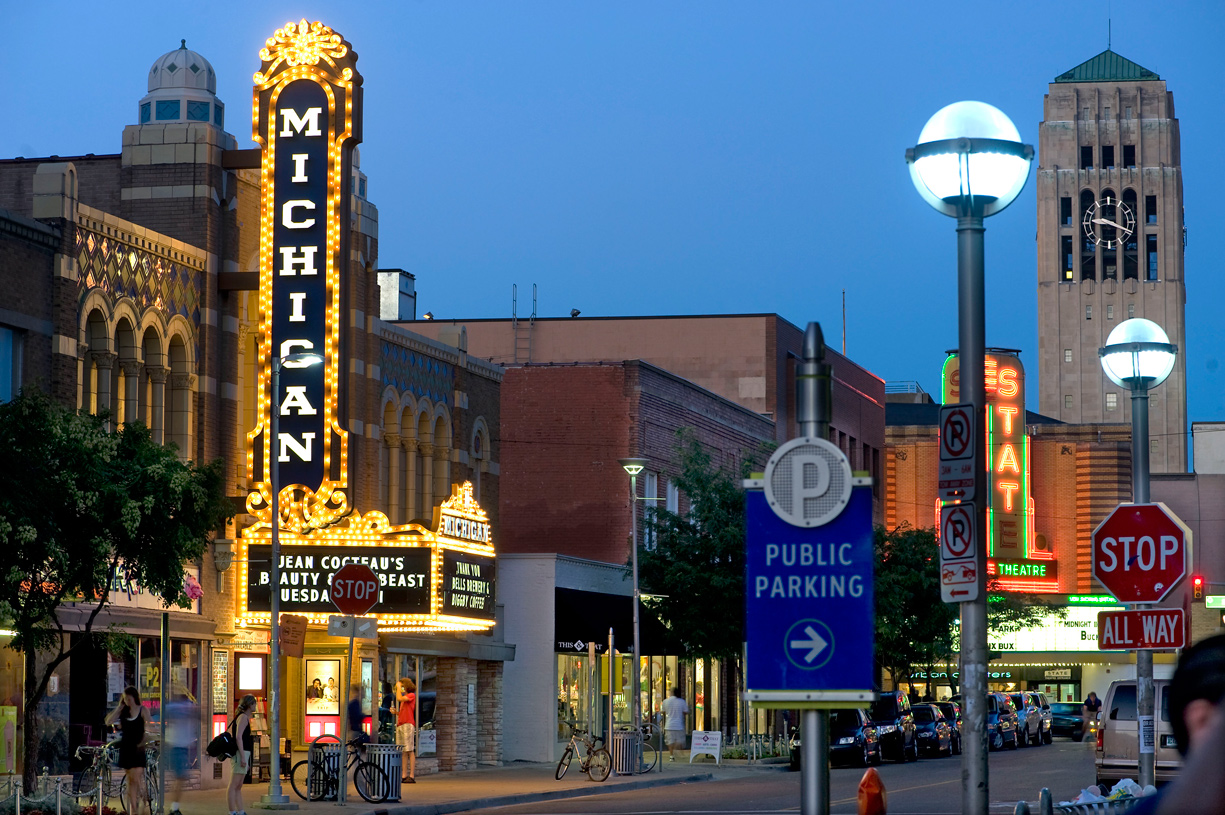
{"x": 1110, "y": 243}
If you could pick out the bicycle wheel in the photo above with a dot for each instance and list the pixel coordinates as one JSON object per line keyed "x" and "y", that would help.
{"x": 649, "y": 757}
{"x": 600, "y": 765}
{"x": 371, "y": 782}
{"x": 85, "y": 784}
{"x": 564, "y": 764}
{"x": 299, "y": 779}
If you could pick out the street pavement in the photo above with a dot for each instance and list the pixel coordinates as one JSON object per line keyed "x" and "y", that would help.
{"x": 929, "y": 786}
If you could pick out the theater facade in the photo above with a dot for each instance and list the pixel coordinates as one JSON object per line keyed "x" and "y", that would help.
{"x": 161, "y": 284}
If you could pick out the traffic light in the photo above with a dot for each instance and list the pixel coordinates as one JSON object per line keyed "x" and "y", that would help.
{"x": 1197, "y": 587}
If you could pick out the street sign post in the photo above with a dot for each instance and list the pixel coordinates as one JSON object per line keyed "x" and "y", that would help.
{"x": 1149, "y": 629}
{"x": 1140, "y": 552}
{"x": 957, "y": 448}
{"x": 354, "y": 590}
{"x": 958, "y": 561}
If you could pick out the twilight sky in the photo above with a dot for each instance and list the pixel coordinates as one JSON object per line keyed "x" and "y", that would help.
{"x": 670, "y": 157}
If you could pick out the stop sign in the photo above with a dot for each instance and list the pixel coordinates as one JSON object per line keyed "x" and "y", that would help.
{"x": 355, "y": 589}
{"x": 1140, "y": 552}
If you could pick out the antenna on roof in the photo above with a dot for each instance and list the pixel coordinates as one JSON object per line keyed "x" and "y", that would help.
{"x": 1109, "y": 20}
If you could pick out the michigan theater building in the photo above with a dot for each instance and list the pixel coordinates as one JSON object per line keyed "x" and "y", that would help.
{"x": 162, "y": 284}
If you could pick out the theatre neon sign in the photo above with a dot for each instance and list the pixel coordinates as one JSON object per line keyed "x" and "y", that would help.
{"x": 1013, "y": 562}
{"x": 306, "y": 109}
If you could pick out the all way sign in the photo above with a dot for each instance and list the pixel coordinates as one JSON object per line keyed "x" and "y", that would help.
{"x": 1157, "y": 629}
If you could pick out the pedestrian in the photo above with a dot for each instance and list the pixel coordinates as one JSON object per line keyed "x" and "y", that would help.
{"x": 675, "y": 711}
{"x": 1197, "y": 717}
{"x": 357, "y": 717}
{"x": 182, "y": 726}
{"x": 1090, "y": 710}
{"x": 406, "y": 729}
{"x": 387, "y": 719}
{"x": 132, "y": 717}
{"x": 241, "y": 762}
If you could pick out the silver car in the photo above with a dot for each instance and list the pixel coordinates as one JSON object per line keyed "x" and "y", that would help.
{"x": 1048, "y": 717}
{"x": 1029, "y": 718}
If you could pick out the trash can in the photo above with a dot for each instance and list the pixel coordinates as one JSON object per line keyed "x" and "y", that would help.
{"x": 624, "y": 751}
{"x": 321, "y": 780}
{"x": 388, "y": 758}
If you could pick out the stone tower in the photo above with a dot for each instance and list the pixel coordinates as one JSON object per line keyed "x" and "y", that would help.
{"x": 1110, "y": 243}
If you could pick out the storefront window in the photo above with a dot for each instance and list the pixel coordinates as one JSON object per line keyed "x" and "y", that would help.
{"x": 573, "y": 688}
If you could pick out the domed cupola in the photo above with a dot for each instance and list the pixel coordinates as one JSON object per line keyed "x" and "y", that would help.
{"x": 182, "y": 89}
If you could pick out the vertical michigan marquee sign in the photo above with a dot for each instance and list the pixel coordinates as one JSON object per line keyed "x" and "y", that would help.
{"x": 307, "y": 120}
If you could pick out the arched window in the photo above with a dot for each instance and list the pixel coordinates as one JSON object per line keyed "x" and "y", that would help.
{"x": 1088, "y": 249}
{"x": 1131, "y": 244}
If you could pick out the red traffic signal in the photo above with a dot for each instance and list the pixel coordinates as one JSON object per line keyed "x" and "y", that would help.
{"x": 1197, "y": 587}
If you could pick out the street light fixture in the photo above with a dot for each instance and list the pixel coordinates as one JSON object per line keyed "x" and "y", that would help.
{"x": 275, "y": 796}
{"x": 1138, "y": 356}
{"x": 634, "y": 466}
{"x": 970, "y": 163}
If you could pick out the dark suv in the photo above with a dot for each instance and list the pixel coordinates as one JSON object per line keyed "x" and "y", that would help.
{"x": 1002, "y": 726}
{"x": 895, "y": 727}
{"x": 952, "y": 712}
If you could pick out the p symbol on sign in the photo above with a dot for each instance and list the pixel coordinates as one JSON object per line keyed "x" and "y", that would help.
{"x": 809, "y": 478}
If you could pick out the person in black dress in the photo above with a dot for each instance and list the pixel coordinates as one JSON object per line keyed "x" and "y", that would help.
{"x": 132, "y": 718}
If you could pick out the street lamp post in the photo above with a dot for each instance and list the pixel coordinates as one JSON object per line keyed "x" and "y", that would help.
{"x": 633, "y": 466}
{"x": 1138, "y": 356}
{"x": 970, "y": 163}
{"x": 275, "y": 796}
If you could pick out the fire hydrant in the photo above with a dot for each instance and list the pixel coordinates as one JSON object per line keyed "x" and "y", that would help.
{"x": 872, "y": 797}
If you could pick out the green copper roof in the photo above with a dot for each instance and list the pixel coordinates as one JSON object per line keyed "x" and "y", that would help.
{"x": 1107, "y": 67}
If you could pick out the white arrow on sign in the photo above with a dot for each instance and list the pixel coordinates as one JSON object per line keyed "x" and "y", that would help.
{"x": 815, "y": 644}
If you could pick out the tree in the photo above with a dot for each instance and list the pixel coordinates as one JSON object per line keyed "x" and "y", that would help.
{"x": 1009, "y": 612}
{"x": 695, "y": 564}
{"x": 80, "y": 505}
{"x": 914, "y": 626}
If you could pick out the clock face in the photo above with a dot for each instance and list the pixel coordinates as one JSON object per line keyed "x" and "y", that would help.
{"x": 1109, "y": 222}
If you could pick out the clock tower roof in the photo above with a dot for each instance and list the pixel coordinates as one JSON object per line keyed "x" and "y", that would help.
{"x": 1108, "y": 67}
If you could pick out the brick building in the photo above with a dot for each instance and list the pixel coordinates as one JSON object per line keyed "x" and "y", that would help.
{"x": 130, "y": 286}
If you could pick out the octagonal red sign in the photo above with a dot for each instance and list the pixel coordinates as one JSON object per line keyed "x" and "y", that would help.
{"x": 1140, "y": 552}
{"x": 355, "y": 589}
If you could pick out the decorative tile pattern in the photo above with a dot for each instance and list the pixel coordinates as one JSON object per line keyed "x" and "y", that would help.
{"x": 122, "y": 270}
{"x": 417, "y": 373}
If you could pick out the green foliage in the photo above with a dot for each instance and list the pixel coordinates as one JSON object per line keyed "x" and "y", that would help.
{"x": 80, "y": 504}
{"x": 1009, "y": 612}
{"x": 913, "y": 625}
{"x": 696, "y": 565}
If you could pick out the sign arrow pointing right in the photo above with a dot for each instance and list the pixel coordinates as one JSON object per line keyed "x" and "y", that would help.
{"x": 815, "y": 644}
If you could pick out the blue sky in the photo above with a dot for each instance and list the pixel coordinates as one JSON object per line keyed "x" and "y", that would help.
{"x": 671, "y": 157}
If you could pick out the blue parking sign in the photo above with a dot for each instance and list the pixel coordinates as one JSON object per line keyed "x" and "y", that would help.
{"x": 809, "y": 610}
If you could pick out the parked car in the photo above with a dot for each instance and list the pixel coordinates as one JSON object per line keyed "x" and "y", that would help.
{"x": 1002, "y": 728}
{"x": 1029, "y": 717}
{"x": 1117, "y": 738}
{"x": 932, "y": 730}
{"x": 853, "y": 738}
{"x": 894, "y": 721}
{"x": 1067, "y": 719}
{"x": 952, "y": 715}
{"x": 1045, "y": 707}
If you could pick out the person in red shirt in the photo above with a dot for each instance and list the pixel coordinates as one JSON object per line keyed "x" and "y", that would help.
{"x": 406, "y": 727}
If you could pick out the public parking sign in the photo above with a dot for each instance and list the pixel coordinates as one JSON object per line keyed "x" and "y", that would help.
{"x": 1140, "y": 552}
{"x": 808, "y": 599}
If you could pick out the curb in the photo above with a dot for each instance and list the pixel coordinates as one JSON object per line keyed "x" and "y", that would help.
{"x": 536, "y": 797}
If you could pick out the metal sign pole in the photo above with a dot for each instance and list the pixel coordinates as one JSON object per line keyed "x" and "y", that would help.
{"x": 612, "y": 675}
{"x": 163, "y": 700}
{"x": 1145, "y": 729}
{"x": 345, "y": 724}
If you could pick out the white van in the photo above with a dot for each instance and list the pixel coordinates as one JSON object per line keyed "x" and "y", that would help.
{"x": 1118, "y": 744}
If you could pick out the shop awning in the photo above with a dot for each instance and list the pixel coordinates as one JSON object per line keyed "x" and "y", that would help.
{"x": 581, "y": 617}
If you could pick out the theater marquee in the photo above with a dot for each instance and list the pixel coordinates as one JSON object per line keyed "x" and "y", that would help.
{"x": 307, "y": 108}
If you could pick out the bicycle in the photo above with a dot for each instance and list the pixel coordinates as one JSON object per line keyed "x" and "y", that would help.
{"x": 651, "y": 744}
{"x": 595, "y": 761}
{"x": 316, "y": 779}
{"x": 99, "y": 772}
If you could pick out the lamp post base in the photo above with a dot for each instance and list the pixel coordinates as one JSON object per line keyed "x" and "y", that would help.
{"x": 274, "y": 802}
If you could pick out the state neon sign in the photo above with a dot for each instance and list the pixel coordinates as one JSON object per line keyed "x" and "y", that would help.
{"x": 1010, "y": 508}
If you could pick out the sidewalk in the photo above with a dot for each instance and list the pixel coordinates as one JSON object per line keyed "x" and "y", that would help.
{"x": 518, "y": 783}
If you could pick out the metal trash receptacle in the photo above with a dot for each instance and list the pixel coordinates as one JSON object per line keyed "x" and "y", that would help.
{"x": 323, "y": 755}
{"x": 624, "y": 751}
{"x": 388, "y": 758}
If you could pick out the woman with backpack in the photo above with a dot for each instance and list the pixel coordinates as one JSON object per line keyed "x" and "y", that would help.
{"x": 241, "y": 761}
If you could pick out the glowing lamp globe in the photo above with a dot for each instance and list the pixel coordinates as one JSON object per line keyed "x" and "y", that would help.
{"x": 969, "y": 160}
{"x": 1138, "y": 354}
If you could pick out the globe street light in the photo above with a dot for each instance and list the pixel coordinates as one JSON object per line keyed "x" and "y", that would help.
{"x": 970, "y": 163}
{"x": 1138, "y": 355}
{"x": 275, "y": 796}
